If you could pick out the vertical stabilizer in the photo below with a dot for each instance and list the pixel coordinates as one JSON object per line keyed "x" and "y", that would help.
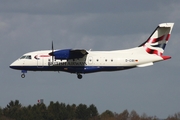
{"x": 157, "y": 41}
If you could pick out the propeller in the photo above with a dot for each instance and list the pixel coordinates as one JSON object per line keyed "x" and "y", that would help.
{"x": 52, "y": 53}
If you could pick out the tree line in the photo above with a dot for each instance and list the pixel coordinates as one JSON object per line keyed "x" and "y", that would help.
{"x": 60, "y": 111}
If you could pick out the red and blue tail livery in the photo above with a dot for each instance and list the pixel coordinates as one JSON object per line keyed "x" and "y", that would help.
{"x": 156, "y": 43}
{"x": 81, "y": 61}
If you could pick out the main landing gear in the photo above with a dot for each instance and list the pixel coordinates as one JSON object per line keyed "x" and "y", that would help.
{"x": 79, "y": 76}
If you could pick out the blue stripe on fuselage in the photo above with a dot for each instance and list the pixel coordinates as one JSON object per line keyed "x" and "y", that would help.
{"x": 72, "y": 69}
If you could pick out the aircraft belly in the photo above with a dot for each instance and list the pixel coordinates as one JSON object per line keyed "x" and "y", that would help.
{"x": 77, "y": 69}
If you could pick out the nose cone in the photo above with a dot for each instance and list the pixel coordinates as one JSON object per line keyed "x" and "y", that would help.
{"x": 12, "y": 65}
{"x": 15, "y": 65}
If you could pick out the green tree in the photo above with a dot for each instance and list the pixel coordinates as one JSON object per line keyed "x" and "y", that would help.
{"x": 107, "y": 115}
{"x": 1, "y": 112}
{"x": 134, "y": 116}
{"x": 82, "y": 112}
{"x": 13, "y": 110}
{"x": 57, "y": 111}
{"x": 63, "y": 113}
{"x": 43, "y": 111}
{"x": 71, "y": 111}
{"x": 123, "y": 116}
{"x": 93, "y": 111}
{"x": 50, "y": 109}
{"x": 175, "y": 117}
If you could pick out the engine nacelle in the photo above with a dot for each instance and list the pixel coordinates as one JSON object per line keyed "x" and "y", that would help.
{"x": 68, "y": 54}
{"x": 62, "y": 54}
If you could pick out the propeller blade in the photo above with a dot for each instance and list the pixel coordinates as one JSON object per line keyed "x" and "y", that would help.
{"x": 52, "y": 53}
{"x": 52, "y": 47}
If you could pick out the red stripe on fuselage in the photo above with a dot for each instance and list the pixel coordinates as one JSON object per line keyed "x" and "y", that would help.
{"x": 44, "y": 56}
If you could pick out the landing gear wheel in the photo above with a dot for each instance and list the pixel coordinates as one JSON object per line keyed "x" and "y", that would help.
{"x": 23, "y": 75}
{"x": 79, "y": 76}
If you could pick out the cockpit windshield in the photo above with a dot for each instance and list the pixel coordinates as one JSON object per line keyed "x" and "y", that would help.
{"x": 26, "y": 57}
{"x": 23, "y": 57}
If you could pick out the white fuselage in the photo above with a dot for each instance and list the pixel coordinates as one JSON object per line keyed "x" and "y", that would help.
{"x": 94, "y": 61}
{"x": 81, "y": 61}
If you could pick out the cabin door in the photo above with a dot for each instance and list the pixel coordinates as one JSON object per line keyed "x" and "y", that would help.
{"x": 40, "y": 62}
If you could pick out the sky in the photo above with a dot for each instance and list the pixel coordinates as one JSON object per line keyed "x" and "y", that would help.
{"x": 31, "y": 25}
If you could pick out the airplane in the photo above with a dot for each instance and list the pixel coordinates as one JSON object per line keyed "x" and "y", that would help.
{"x": 81, "y": 61}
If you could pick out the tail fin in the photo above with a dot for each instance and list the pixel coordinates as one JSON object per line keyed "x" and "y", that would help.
{"x": 157, "y": 41}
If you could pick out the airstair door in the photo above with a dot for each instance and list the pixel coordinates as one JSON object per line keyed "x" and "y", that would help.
{"x": 40, "y": 62}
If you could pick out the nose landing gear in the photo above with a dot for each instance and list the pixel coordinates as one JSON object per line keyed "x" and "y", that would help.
{"x": 23, "y": 73}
